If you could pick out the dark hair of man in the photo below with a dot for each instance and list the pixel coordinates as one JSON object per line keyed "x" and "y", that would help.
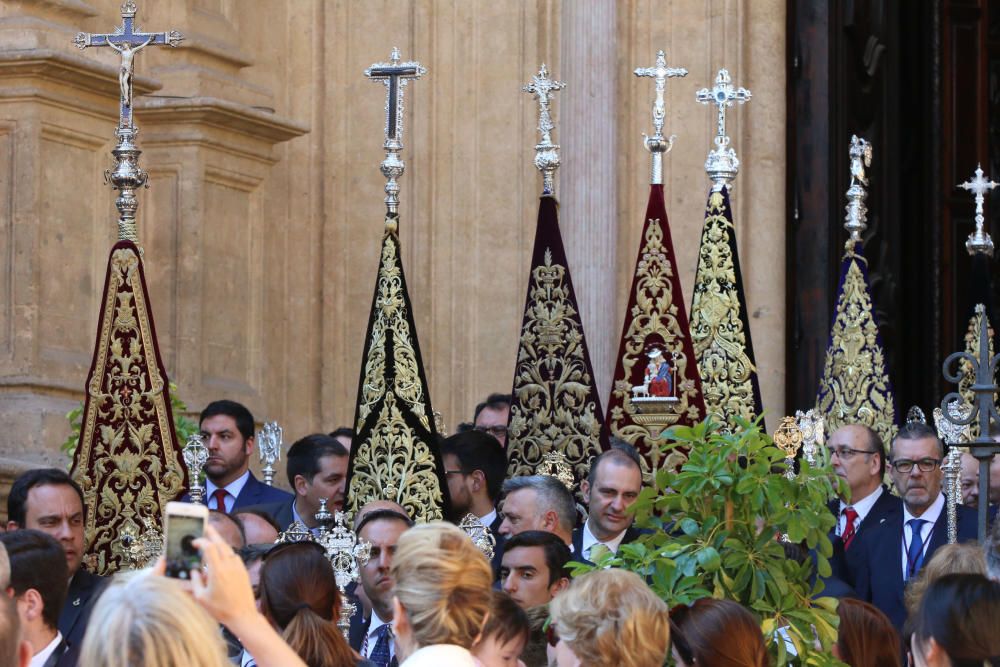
{"x": 620, "y": 452}
{"x": 551, "y": 495}
{"x": 239, "y": 413}
{"x": 259, "y": 513}
{"x": 960, "y": 612}
{"x": 10, "y": 631}
{"x": 298, "y": 593}
{"x": 304, "y": 455}
{"x": 382, "y": 515}
{"x": 506, "y": 621}
{"x": 38, "y": 561}
{"x": 252, "y": 553}
{"x": 557, "y": 554}
{"x": 918, "y": 431}
{"x": 493, "y": 402}
{"x": 464, "y": 427}
{"x": 476, "y": 450}
{"x": 17, "y": 500}
{"x": 343, "y": 432}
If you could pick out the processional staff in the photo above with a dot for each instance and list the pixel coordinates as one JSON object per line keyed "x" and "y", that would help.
{"x": 127, "y": 39}
{"x": 657, "y": 145}
{"x": 722, "y": 164}
{"x": 546, "y": 152}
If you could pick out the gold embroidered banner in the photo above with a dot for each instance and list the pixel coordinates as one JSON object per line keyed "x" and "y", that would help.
{"x": 395, "y": 454}
{"x": 128, "y": 462}
{"x": 720, "y": 327}
{"x": 556, "y": 407}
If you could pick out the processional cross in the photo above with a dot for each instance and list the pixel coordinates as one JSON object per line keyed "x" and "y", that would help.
{"x": 656, "y": 144}
{"x": 127, "y": 39}
{"x": 722, "y": 164}
{"x": 395, "y": 75}
{"x": 546, "y": 152}
{"x": 979, "y": 241}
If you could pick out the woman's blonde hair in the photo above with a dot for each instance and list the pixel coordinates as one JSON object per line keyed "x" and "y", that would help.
{"x": 949, "y": 559}
{"x": 143, "y": 619}
{"x": 443, "y": 582}
{"x": 610, "y": 618}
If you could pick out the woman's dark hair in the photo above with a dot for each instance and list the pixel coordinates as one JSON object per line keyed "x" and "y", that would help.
{"x": 866, "y": 637}
{"x": 960, "y": 612}
{"x": 298, "y": 593}
{"x": 506, "y": 620}
{"x": 717, "y": 633}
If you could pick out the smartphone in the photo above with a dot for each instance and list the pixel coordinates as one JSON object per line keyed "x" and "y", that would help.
{"x": 183, "y": 524}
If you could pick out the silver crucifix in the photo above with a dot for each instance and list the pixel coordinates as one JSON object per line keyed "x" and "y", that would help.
{"x": 979, "y": 242}
{"x": 656, "y": 144}
{"x": 395, "y": 75}
{"x": 546, "y": 152}
{"x": 127, "y": 39}
{"x": 722, "y": 164}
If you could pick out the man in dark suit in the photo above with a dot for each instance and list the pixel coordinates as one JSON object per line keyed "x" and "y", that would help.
{"x": 612, "y": 487}
{"x": 371, "y": 634}
{"x": 228, "y": 430}
{"x": 317, "y": 469}
{"x": 857, "y": 456}
{"x": 38, "y": 575}
{"x": 475, "y": 465}
{"x": 48, "y": 500}
{"x": 893, "y": 552}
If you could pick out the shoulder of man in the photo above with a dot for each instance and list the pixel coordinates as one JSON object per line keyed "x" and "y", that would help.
{"x": 256, "y": 492}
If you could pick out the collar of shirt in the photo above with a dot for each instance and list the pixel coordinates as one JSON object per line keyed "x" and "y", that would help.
{"x": 589, "y": 540}
{"x": 233, "y": 489}
{"x": 862, "y": 507}
{"x": 373, "y": 627}
{"x": 489, "y": 518}
{"x": 298, "y": 517}
{"x": 39, "y": 658}
{"x": 930, "y": 517}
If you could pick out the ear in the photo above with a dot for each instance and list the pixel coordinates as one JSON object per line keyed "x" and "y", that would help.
{"x": 301, "y": 485}
{"x": 478, "y": 480}
{"x": 12, "y": 525}
{"x": 33, "y": 604}
{"x": 558, "y": 587}
{"x": 934, "y": 655}
{"x": 585, "y": 488}
{"x": 248, "y": 445}
{"x": 550, "y": 521}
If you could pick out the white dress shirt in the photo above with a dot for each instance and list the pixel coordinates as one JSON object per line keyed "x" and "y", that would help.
{"x": 862, "y": 507}
{"x": 38, "y": 660}
{"x": 233, "y": 489}
{"x": 930, "y": 517}
{"x": 489, "y": 518}
{"x": 589, "y": 540}
{"x": 368, "y": 645}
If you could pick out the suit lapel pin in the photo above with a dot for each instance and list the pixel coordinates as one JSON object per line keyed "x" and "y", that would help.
{"x": 76, "y": 602}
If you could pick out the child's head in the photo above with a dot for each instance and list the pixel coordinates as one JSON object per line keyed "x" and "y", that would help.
{"x": 504, "y": 635}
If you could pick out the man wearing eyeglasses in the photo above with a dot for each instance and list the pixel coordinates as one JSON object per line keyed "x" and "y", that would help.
{"x": 491, "y": 416}
{"x": 893, "y": 552}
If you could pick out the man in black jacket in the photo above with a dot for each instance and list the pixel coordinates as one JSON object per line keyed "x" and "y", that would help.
{"x": 611, "y": 488}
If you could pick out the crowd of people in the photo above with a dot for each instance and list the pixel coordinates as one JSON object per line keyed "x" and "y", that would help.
{"x": 428, "y": 596}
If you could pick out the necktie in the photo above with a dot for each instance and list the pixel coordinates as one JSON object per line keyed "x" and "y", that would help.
{"x": 220, "y": 499}
{"x": 915, "y": 553}
{"x": 380, "y": 654}
{"x": 851, "y": 528}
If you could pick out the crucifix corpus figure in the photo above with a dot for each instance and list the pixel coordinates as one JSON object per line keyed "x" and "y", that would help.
{"x": 125, "y": 72}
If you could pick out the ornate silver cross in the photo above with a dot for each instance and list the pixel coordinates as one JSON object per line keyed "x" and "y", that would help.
{"x": 979, "y": 242}
{"x": 546, "y": 152}
{"x": 195, "y": 456}
{"x": 656, "y": 144}
{"x": 722, "y": 164}
{"x": 395, "y": 75}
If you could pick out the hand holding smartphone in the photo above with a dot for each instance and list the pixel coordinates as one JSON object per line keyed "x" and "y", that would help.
{"x": 183, "y": 524}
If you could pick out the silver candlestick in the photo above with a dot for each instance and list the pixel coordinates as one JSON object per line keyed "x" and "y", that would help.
{"x": 546, "y": 152}
{"x": 269, "y": 443}
{"x": 347, "y": 556}
{"x": 722, "y": 164}
{"x": 195, "y": 456}
{"x": 657, "y": 145}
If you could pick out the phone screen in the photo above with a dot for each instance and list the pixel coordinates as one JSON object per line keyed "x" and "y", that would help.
{"x": 182, "y": 556}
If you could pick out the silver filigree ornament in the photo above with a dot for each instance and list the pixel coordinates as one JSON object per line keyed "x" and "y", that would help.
{"x": 546, "y": 151}
{"x": 856, "y": 220}
{"x": 812, "y": 425}
{"x": 269, "y": 444}
{"x": 480, "y": 534}
{"x": 952, "y": 435}
{"x": 979, "y": 241}
{"x": 722, "y": 165}
{"x": 395, "y": 75}
{"x": 195, "y": 455}
{"x": 657, "y": 145}
{"x": 347, "y": 556}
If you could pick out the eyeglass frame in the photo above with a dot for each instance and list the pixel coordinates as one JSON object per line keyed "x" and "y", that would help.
{"x": 931, "y": 464}
{"x": 841, "y": 451}
{"x": 501, "y": 429}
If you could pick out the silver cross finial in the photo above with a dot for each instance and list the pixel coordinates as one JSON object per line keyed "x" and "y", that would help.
{"x": 656, "y": 144}
{"x": 546, "y": 152}
{"x": 722, "y": 164}
{"x": 395, "y": 75}
{"x": 979, "y": 242}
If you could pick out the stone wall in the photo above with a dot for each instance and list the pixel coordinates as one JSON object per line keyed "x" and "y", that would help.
{"x": 263, "y": 217}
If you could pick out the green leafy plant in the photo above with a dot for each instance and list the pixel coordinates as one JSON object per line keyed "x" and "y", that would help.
{"x": 714, "y": 531}
{"x": 182, "y": 425}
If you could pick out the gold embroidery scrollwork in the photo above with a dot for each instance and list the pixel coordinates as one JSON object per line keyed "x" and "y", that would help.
{"x": 855, "y": 387}
{"x": 717, "y": 332}
{"x": 555, "y": 408}
{"x": 127, "y": 462}
{"x": 653, "y": 317}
